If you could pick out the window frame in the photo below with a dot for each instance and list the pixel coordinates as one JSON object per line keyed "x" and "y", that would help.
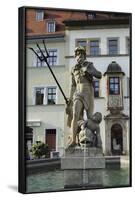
{"x": 39, "y": 88}
{"x": 52, "y": 50}
{"x": 96, "y": 80}
{"x": 114, "y": 84}
{"x": 128, "y": 45}
{"x": 91, "y": 15}
{"x": 40, "y": 64}
{"x": 47, "y": 94}
{"x": 93, "y": 40}
{"x": 49, "y": 28}
{"x": 128, "y": 86}
{"x": 39, "y": 19}
{"x": 88, "y": 40}
{"x": 108, "y": 49}
{"x": 81, "y": 40}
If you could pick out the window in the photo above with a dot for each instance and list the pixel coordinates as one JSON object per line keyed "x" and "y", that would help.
{"x": 51, "y": 95}
{"x": 51, "y": 26}
{"x": 91, "y": 15}
{"x": 113, "y": 46}
{"x": 96, "y": 88}
{"x": 39, "y": 63}
{"x": 45, "y": 95}
{"x": 82, "y": 43}
{"x": 39, "y": 96}
{"x": 128, "y": 45}
{"x": 39, "y": 15}
{"x": 94, "y": 47}
{"x": 52, "y": 60}
{"x": 128, "y": 86}
{"x": 114, "y": 86}
{"x": 91, "y": 45}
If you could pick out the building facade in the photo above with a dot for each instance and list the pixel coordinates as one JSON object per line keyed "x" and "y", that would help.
{"x": 106, "y": 37}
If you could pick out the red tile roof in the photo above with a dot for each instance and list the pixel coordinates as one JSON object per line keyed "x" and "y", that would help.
{"x": 35, "y": 28}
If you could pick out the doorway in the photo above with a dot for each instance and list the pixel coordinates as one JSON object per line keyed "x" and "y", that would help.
{"x": 51, "y": 139}
{"x": 116, "y": 139}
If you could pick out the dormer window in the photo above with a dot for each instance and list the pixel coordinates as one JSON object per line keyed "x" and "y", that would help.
{"x": 51, "y": 26}
{"x": 91, "y": 15}
{"x": 39, "y": 15}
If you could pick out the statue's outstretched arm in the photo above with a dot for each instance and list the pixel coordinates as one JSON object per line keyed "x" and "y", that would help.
{"x": 93, "y": 71}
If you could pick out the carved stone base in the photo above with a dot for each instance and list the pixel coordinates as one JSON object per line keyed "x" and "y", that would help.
{"x": 83, "y": 167}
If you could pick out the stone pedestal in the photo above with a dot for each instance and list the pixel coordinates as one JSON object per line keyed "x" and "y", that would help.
{"x": 83, "y": 167}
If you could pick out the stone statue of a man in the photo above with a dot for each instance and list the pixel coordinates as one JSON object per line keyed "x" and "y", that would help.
{"x": 82, "y": 91}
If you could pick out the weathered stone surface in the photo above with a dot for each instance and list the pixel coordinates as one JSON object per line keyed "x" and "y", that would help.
{"x": 95, "y": 177}
{"x": 83, "y": 167}
{"x": 80, "y": 162}
{"x": 83, "y": 178}
{"x": 73, "y": 177}
{"x": 80, "y": 152}
{"x": 82, "y": 99}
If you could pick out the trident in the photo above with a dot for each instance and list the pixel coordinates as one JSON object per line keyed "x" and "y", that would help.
{"x": 44, "y": 58}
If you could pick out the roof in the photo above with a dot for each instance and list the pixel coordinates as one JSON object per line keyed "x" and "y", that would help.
{"x": 71, "y": 23}
{"x": 114, "y": 67}
{"x": 72, "y": 18}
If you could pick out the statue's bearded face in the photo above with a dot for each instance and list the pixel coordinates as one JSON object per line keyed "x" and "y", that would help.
{"x": 80, "y": 57}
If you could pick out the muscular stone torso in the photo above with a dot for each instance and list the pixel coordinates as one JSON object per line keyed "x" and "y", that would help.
{"x": 83, "y": 84}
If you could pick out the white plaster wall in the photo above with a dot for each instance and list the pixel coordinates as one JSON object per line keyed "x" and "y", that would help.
{"x": 31, "y": 58}
{"x": 50, "y": 117}
{"x": 41, "y": 77}
{"x": 103, "y": 34}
